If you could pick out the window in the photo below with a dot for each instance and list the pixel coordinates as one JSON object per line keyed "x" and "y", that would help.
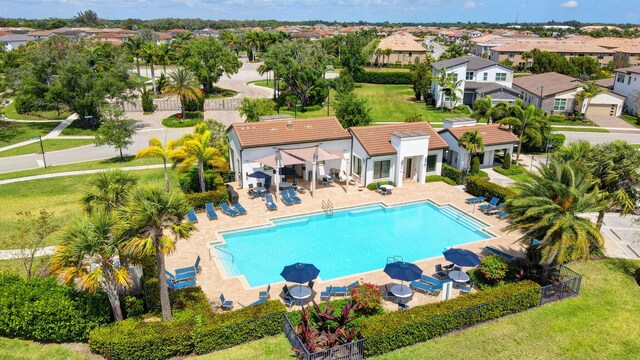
{"x": 356, "y": 165}
{"x": 469, "y": 75}
{"x": 485, "y": 76}
{"x": 620, "y": 78}
{"x": 454, "y": 77}
{"x": 381, "y": 169}
{"x": 629, "y": 81}
{"x": 600, "y": 56}
{"x": 512, "y": 55}
{"x": 431, "y": 163}
{"x": 501, "y": 76}
{"x": 560, "y": 105}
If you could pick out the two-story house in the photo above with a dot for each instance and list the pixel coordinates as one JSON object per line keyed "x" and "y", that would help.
{"x": 627, "y": 83}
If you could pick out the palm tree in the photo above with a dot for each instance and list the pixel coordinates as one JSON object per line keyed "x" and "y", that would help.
{"x": 388, "y": 52}
{"x": 378, "y": 52}
{"x": 252, "y": 39}
{"x": 134, "y": 46}
{"x": 148, "y": 220}
{"x": 229, "y": 39}
{"x": 149, "y": 53}
{"x": 589, "y": 90}
{"x": 183, "y": 85}
{"x": 548, "y": 210}
{"x": 88, "y": 256}
{"x": 525, "y": 57}
{"x": 472, "y": 141}
{"x": 527, "y": 125}
{"x": 164, "y": 54}
{"x": 196, "y": 149}
{"x": 108, "y": 190}
{"x": 157, "y": 150}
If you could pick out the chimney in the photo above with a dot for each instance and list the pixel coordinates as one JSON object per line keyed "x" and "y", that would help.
{"x": 289, "y": 125}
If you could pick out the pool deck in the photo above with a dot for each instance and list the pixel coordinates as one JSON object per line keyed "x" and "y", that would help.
{"x": 214, "y": 281}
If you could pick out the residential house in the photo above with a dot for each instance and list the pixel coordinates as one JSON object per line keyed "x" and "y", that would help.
{"x": 114, "y": 38}
{"x": 406, "y": 48}
{"x": 12, "y": 42}
{"x": 398, "y": 153}
{"x": 627, "y": 50}
{"x": 513, "y": 51}
{"x": 627, "y": 83}
{"x": 556, "y": 93}
{"x": 498, "y": 142}
{"x": 478, "y": 77}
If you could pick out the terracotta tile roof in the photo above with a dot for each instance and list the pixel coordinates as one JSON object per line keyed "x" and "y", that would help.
{"x": 493, "y": 134}
{"x": 376, "y": 140}
{"x": 401, "y": 41}
{"x": 275, "y": 132}
{"x": 111, "y": 36}
{"x": 553, "y": 46}
{"x": 162, "y": 36}
{"x": 552, "y": 83}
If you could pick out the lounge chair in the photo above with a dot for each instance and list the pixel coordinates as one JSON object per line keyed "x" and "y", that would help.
{"x": 440, "y": 272}
{"x": 240, "y": 209}
{"x": 325, "y": 295}
{"x": 195, "y": 268}
{"x": 269, "y": 203}
{"x": 295, "y": 183}
{"x": 267, "y": 184}
{"x": 426, "y": 288}
{"x": 431, "y": 280}
{"x": 495, "y": 251}
{"x": 492, "y": 204}
{"x": 187, "y": 276}
{"x": 211, "y": 213}
{"x": 475, "y": 200}
{"x": 225, "y": 304}
{"x": 339, "y": 290}
{"x": 353, "y": 285}
{"x": 265, "y": 294}
{"x": 258, "y": 302}
{"x": 180, "y": 285}
{"x": 464, "y": 290}
{"x": 284, "y": 196}
{"x": 227, "y": 210}
{"x": 502, "y": 214}
{"x": 260, "y": 193}
{"x": 293, "y": 196}
{"x": 449, "y": 267}
{"x": 494, "y": 210}
{"x": 191, "y": 216}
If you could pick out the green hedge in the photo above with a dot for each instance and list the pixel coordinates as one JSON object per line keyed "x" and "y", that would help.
{"x": 383, "y": 77}
{"x": 478, "y": 186}
{"x": 41, "y": 309}
{"x": 452, "y": 173}
{"x": 513, "y": 170}
{"x": 397, "y": 329}
{"x": 434, "y": 178}
{"x": 234, "y": 328}
{"x": 197, "y": 200}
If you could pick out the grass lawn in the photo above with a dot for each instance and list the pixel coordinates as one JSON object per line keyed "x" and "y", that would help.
{"x": 14, "y": 349}
{"x": 88, "y": 165}
{"x": 49, "y": 145}
{"x": 594, "y": 129}
{"x": 270, "y": 348}
{"x": 13, "y": 133}
{"x": 14, "y": 266}
{"x": 386, "y": 69}
{"x": 264, "y": 83}
{"x": 219, "y": 93}
{"x": 61, "y": 196}
{"x": 10, "y": 112}
{"x": 631, "y": 120}
{"x": 190, "y": 119}
{"x": 77, "y": 128}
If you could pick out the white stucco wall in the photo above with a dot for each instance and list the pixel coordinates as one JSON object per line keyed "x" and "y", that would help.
{"x": 435, "y": 88}
{"x": 630, "y": 88}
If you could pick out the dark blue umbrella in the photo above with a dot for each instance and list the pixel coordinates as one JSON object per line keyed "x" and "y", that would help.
{"x": 404, "y": 271}
{"x": 259, "y": 175}
{"x": 462, "y": 257}
{"x": 300, "y": 273}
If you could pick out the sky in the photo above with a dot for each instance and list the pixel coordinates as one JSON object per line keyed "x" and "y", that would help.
{"x": 606, "y": 11}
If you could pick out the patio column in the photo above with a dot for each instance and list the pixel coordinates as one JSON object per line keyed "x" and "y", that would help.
{"x": 422, "y": 170}
{"x": 398, "y": 171}
{"x": 314, "y": 164}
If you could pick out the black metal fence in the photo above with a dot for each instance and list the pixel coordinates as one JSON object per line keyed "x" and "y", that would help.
{"x": 562, "y": 283}
{"x": 352, "y": 351}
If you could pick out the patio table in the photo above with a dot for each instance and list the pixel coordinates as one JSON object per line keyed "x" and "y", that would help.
{"x": 401, "y": 291}
{"x": 459, "y": 276}
{"x": 284, "y": 185}
{"x": 386, "y": 187}
{"x": 299, "y": 292}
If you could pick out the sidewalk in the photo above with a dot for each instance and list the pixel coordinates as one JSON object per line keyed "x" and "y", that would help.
{"x": 17, "y": 254}
{"x": 79, "y": 172}
{"x": 55, "y": 133}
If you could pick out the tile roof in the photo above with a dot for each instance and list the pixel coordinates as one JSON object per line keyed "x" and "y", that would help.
{"x": 615, "y": 43}
{"x": 12, "y": 38}
{"x": 629, "y": 70}
{"x": 551, "y": 83}
{"x": 491, "y": 88}
{"x": 376, "y": 139}
{"x": 401, "y": 41}
{"x": 607, "y": 83}
{"x": 112, "y": 36}
{"x": 275, "y": 132}
{"x": 553, "y": 46}
{"x": 473, "y": 63}
{"x": 493, "y": 134}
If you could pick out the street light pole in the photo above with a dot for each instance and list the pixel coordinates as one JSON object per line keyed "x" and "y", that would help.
{"x": 44, "y": 160}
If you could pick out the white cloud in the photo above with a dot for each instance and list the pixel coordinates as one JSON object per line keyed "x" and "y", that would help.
{"x": 570, "y": 4}
{"x": 470, "y": 4}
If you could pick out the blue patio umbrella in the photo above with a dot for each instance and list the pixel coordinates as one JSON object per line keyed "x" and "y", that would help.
{"x": 259, "y": 175}
{"x": 462, "y": 257}
{"x": 403, "y": 271}
{"x": 300, "y": 273}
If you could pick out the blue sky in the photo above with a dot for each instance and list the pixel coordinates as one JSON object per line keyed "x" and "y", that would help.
{"x": 609, "y": 11}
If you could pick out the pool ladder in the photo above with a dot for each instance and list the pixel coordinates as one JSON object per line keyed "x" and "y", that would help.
{"x": 327, "y": 206}
{"x": 232, "y": 258}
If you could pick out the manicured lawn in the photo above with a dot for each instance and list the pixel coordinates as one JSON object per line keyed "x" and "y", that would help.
{"x": 631, "y": 120}
{"x": 574, "y": 129}
{"x": 10, "y": 112}
{"x": 264, "y": 83}
{"x": 14, "y": 266}
{"x": 12, "y": 132}
{"x": 89, "y": 165}
{"x": 270, "y": 348}
{"x": 219, "y": 93}
{"x": 14, "y": 349}
{"x": 60, "y": 196}
{"x": 77, "y": 128}
{"x": 190, "y": 119}
{"x": 49, "y": 145}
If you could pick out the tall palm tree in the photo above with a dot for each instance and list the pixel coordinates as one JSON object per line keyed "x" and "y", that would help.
{"x": 88, "y": 256}
{"x": 154, "y": 220}
{"x": 548, "y": 209}
{"x": 183, "y": 84}
{"x": 527, "y": 125}
{"x": 134, "y": 46}
{"x": 472, "y": 141}
{"x": 378, "y": 53}
{"x": 196, "y": 149}
{"x": 252, "y": 39}
{"x": 164, "y": 55}
{"x": 149, "y": 53}
{"x": 589, "y": 90}
{"x": 108, "y": 190}
{"x": 158, "y": 151}
{"x": 387, "y": 53}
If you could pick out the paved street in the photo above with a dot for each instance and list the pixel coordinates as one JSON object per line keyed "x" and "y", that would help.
{"x": 599, "y": 138}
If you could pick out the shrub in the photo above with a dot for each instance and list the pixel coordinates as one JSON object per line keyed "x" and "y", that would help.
{"x": 133, "y": 306}
{"x": 557, "y": 141}
{"x": 41, "y": 309}
{"x": 233, "y": 328}
{"x": 434, "y": 178}
{"x": 372, "y": 186}
{"x": 367, "y": 297}
{"x": 147, "y": 101}
{"x": 493, "y": 269}
{"x": 414, "y": 118}
{"x": 452, "y": 173}
{"x": 475, "y": 166}
{"x": 190, "y": 119}
{"x": 397, "y": 329}
{"x": 383, "y": 77}
{"x": 190, "y": 183}
{"x": 513, "y": 170}
{"x": 197, "y": 200}
{"x": 507, "y": 162}
{"x": 311, "y": 108}
{"x": 478, "y": 186}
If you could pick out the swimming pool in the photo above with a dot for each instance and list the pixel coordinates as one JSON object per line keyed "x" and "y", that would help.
{"x": 351, "y": 241}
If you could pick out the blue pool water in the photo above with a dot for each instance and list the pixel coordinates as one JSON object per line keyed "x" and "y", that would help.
{"x": 351, "y": 241}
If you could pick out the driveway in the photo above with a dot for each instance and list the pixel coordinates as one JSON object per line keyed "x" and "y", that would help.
{"x": 621, "y": 235}
{"x": 611, "y": 122}
{"x": 599, "y": 138}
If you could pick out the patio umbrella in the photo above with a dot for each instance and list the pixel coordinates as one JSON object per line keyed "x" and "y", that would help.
{"x": 403, "y": 271}
{"x": 462, "y": 257}
{"x": 300, "y": 273}
{"x": 259, "y": 175}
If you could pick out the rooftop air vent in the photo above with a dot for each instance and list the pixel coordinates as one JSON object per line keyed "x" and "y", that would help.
{"x": 289, "y": 125}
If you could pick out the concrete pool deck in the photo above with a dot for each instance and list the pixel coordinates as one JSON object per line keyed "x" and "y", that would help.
{"x": 214, "y": 281}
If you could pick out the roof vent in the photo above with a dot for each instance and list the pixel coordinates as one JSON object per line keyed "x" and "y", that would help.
{"x": 289, "y": 125}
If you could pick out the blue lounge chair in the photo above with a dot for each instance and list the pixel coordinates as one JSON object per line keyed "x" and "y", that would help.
{"x": 258, "y": 302}
{"x": 265, "y": 294}
{"x": 211, "y": 213}
{"x": 227, "y": 210}
{"x": 226, "y": 304}
{"x": 180, "y": 285}
{"x": 185, "y": 276}
{"x": 293, "y": 196}
{"x": 502, "y": 214}
{"x": 491, "y": 205}
{"x": 295, "y": 183}
{"x": 240, "y": 209}
{"x": 475, "y": 200}
{"x": 339, "y": 290}
{"x": 191, "y": 216}
{"x": 464, "y": 290}
{"x": 325, "y": 295}
{"x": 353, "y": 285}
{"x": 425, "y": 288}
{"x": 259, "y": 193}
{"x": 440, "y": 272}
{"x": 284, "y": 196}
{"x": 269, "y": 203}
{"x": 195, "y": 268}
{"x": 495, "y": 251}
{"x": 494, "y": 210}
{"x": 433, "y": 281}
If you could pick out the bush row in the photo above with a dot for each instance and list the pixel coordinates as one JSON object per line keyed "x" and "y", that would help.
{"x": 478, "y": 186}
{"x": 41, "y": 309}
{"x": 383, "y": 77}
{"x": 217, "y": 197}
{"x": 513, "y": 170}
{"x": 452, "y": 173}
{"x": 434, "y": 178}
{"x": 397, "y": 329}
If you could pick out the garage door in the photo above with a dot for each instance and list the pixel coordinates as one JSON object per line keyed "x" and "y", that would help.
{"x": 602, "y": 110}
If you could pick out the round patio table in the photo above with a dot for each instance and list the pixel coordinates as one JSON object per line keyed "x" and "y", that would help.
{"x": 386, "y": 187}
{"x": 299, "y": 292}
{"x": 401, "y": 291}
{"x": 284, "y": 185}
{"x": 459, "y": 276}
